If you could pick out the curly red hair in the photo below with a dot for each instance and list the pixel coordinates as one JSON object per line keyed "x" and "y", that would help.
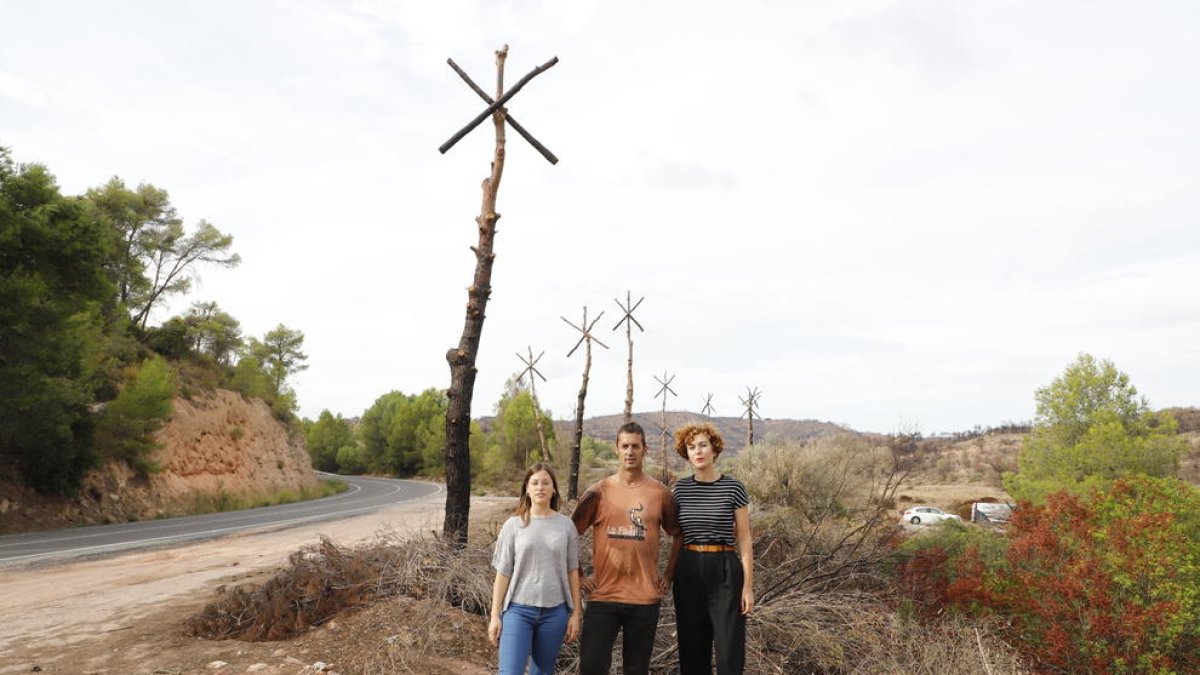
{"x": 684, "y": 435}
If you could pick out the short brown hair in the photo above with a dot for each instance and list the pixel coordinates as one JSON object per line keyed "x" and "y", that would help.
{"x": 687, "y": 432}
{"x": 632, "y": 427}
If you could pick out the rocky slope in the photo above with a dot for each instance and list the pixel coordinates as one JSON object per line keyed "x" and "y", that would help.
{"x": 217, "y": 446}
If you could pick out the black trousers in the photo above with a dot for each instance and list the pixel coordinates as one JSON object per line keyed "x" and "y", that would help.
{"x": 708, "y": 613}
{"x": 601, "y": 621}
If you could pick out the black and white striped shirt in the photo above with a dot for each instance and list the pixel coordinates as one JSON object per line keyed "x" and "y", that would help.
{"x": 706, "y": 509}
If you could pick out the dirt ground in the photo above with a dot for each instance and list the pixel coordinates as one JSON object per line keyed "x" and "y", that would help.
{"x": 124, "y": 613}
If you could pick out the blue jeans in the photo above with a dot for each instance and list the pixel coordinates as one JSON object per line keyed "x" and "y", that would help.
{"x": 531, "y": 631}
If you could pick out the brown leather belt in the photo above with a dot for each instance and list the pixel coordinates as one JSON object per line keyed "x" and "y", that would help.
{"x": 709, "y": 548}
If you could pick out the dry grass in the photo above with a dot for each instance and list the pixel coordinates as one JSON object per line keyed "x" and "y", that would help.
{"x": 325, "y": 579}
{"x": 824, "y": 536}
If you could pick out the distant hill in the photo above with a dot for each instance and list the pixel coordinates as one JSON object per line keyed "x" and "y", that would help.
{"x": 733, "y": 429}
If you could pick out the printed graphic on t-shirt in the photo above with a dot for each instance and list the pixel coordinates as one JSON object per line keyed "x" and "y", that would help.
{"x": 636, "y": 532}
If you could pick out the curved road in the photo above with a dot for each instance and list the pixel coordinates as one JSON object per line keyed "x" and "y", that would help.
{"x": 364, "y": 496}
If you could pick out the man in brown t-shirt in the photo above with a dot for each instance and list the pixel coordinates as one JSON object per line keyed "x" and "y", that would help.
{"x": 625, "y": 512}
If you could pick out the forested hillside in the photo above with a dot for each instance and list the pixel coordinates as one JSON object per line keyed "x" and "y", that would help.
{"x": 84, "y": 375}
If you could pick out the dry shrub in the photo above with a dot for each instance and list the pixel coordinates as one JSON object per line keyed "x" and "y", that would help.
{"x": 325, "y": 579}
{"x": 403, "y": 635}
{"x": 853, "y": 633}
{"x": 836, "y": 474}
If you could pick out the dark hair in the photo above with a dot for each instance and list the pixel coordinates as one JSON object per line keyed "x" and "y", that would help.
{"x": 687, "y": 432}
{"x": 632, "y": 428}
{"x": 525, "y": 503}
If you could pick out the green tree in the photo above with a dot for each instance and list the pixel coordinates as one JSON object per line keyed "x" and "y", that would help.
{"x": 151, "y": 254}
{"x": 213, "y": 331}
{"x": 326, "y": 438}
{"x": 351, "y": 459}
{"x": 134, "y": 220}
{"x": 52, "y": 290}
{"x": 126, "y": 428}
{"x": 405, "y": 434}
{"x": 173, "y": 260}
{"x": 513, "y": 443}
{"x": 251, "y": 379}
{"x": 1092, "y": 428}
{"x": 280, "y": 354}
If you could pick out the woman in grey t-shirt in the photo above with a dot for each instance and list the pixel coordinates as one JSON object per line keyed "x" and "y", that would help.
{"x": 536, "y": 596}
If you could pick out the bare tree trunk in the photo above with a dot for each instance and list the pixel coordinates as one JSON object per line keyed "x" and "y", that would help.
{"x": 629, "y": 375}
{"x": 577, "y": 444}
{"x": 537, "y": 422}
{"x": 663, "y": 439}
{"x": 750, "y": 420}
{"x": 462, "y": 358}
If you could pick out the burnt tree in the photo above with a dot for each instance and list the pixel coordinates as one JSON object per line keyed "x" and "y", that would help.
{"x": 462, "y": 357}
{"x": 585, "y": 329}
{"x": 751, "y": 404}
{"x": 665, "y": 391}
{"x": 629, "y": 322}
{"x": 532, "y": 371}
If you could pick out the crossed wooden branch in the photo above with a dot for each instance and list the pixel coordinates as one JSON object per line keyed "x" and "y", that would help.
{"x": 494, "y": 105}
{"x": 665, "y": 391}
{"x": 585, "y": 329}
{"x": 628, "y": 308}
{"x": 531, "y": 370}
{"x": 707, "y": 410}
{"x": 750, "y": 402}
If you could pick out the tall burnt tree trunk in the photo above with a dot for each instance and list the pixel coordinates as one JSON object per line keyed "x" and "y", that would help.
{"x": 629, "y": 375}
{"x": 577, "y": 444}
{"x": 462, "y": 358}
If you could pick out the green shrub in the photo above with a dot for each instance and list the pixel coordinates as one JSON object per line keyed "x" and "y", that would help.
{"x": 930, "y": 562}
{"x": 351, "y": 459}
{"x": 126, "y": 428}
{"x": 1108, "y": 583}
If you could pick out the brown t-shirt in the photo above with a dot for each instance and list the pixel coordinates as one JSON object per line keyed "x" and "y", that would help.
{"x": 625, "y": 526}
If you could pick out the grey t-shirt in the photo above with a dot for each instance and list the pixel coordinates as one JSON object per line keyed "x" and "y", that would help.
{"x": 536, "y": 558}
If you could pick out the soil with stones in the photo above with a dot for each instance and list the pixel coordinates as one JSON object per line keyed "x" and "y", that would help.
{"x": 125, "y": 613}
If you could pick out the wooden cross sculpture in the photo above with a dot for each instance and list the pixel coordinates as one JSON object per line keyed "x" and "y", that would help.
{"x": 629, "y": 322}
{"x": 585, "y": 329}
{"x": 750, "y": 402}
{"x": 462, "y": 357}
{"x": 707, "y": 410}
{"x": 531, "y": 370}
{"x": 665, "y": 391}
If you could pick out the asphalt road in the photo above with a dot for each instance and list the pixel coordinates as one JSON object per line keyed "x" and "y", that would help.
{"x": 364, "y": 496}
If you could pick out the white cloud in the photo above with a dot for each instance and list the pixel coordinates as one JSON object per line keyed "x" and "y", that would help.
{"x": 879, "y": 213}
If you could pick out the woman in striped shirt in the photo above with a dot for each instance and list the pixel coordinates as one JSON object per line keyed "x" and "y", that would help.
{"x": 714, "y": 574}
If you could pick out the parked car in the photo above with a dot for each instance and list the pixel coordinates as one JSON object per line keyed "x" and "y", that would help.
{"x": 926, "y": 515}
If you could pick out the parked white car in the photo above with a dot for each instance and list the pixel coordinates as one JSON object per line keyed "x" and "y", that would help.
{"x": 926, "y": 515}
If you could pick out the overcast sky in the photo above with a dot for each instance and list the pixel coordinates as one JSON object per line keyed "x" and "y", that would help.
{"x": 881, "y": 214}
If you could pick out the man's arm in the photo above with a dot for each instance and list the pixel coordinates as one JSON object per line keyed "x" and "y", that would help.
{"x": 583, "y": 517}
{"x": 664, "y": 584}
{"x": 670, "y": 515}
{"x": 584, "y": 514}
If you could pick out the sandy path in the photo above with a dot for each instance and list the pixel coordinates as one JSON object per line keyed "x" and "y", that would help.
{"x": 54, "y": 606}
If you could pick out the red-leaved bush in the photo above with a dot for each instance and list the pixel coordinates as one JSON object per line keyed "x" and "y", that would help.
{"x": 1104, "y": 584}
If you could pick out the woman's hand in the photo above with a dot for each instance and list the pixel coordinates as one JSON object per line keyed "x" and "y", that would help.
{"x": 494, "y": 631}
{"x": 747, "y": 600}
{"x": 664, "y": 583}
{"x": 574, "y": 623}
